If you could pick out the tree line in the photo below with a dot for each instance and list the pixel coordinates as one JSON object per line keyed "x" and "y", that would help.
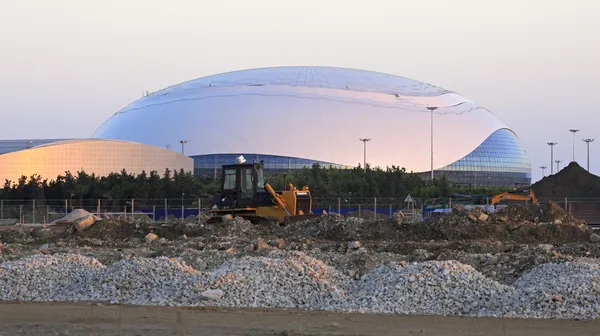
{"x": 322, "y": 181}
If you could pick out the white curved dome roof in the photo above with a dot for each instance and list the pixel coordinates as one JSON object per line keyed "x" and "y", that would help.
{"x": 310, "y": 112}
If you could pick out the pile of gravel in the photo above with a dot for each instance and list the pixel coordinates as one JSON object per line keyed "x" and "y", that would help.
{"x": 283, "y": 280}
{"x": 65, "y": 277}
{"x": 557, "y": 290}
{"x": 432, "y": 287}
{"x": 143, "y": 281}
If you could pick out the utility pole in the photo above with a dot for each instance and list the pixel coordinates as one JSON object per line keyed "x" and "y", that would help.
{"x": 587, "y": 141}
{"x": 365, "y": 140}
{"x": 558, "y": 165}
{"x": 182, "y": 142}
{"x": 543, "y": 168}
{"x": 432, "y": 108}
{"x": 573, "y": 131}
{"x": 552, "y": 144}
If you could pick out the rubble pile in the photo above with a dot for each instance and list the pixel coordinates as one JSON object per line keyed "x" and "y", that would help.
{"x": 339, "y": 228}
{"x": 295, "y": 280}
{"x": 285, "y": 280}
{"x": 557, "y": 290}
{"x": 432, "y": 287}
{"x": 517, "y": 223}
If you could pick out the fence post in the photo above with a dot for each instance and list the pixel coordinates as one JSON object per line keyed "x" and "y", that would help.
{"x": 132, "y": 208}
{"x": 165, "y": 210}
{"x": 1, "y": 209}
{"x": 98, "y": 209}
{"x": 329, "y": 208}
{"x": 21, "y": 213}
{"x": 375, "y": 207}
{"x": 33, "y": 214}
{"x": 153, "y": 213}
{"x": 199, "y": 206}
{"x": 47, "y": 212}
{"x": 566, "y": 205}
{"x": 450, "y": 202}
{"x": 390, "y": 210}
{"x": 359, "y": 215}
{"x": 66, "y": 206}
{"x": 339, "y": 206}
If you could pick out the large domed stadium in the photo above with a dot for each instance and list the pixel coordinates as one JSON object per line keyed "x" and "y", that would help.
{"x": 293, "y": 117}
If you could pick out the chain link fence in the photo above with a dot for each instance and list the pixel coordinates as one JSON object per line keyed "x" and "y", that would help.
{"x": 45, "y": 211}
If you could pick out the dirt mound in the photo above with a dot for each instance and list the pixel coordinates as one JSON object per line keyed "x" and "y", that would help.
{"x": 339, "y": 228}
{"x": 516, "y": 223}
{"x": 572, "y": 181}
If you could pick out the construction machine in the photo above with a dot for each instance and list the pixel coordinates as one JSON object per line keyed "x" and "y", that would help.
{"x": 516, "y": 195}
{"x": 244, "y": 193}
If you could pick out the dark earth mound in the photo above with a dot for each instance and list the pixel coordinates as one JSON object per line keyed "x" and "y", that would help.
{"x": 571, "y": 181}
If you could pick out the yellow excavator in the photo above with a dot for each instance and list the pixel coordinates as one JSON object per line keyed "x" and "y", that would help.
{"x": 245, "y": 194}
{"x": 525, "y": 195}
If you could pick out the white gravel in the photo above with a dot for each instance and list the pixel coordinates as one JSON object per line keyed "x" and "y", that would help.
{"x": 432, "y": 287}
{"x": 294, "y": 280}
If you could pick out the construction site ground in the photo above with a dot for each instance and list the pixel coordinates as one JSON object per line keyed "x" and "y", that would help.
{"x": 104, "y": 320}
{"x": 502, "y": 246}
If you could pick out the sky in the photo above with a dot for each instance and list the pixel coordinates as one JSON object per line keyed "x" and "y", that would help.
{"x": 68, "y": 65}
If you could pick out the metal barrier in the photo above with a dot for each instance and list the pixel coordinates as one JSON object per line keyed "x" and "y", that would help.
{"x": 45, "y": 211}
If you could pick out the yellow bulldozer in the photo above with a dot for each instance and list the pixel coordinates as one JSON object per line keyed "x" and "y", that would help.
{"x": 245, "y": 194}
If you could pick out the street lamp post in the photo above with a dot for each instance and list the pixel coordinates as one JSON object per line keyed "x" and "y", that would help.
{"x": 543, "y": 168}
{"x": 365, "y": 140}
{"x": 558, "y": 165}
{"x": 552, "y": 144}
{"x": 587, "y": 141}
{"x": 182, "y": 207}
{"x": 182, "y": 142}
{"x": 573, "y": 131}
{"x": 431, "y": 108}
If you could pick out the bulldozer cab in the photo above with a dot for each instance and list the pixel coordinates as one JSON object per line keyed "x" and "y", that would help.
{"x": 242, "y": 185}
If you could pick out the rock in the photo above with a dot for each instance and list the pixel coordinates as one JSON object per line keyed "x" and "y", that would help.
{"x": 150, "y": 237}
{"x": 594, "y": 238}
{"x": 212, "y": 294}
{"x": 45, "y": 249}
{"x": 261, "y": 244}
{"x": 183, "y": 236}
{"x": 84, "y": 223}
{"x": 200, "y": 264}
{"x": 354, "y": 245}
{"x": 249, "y": 248}
{"x": 227, "y": 218}
{"x": 163, "y": 241}
{"x": 42, "y": 233}
{"x": 279, "y": 243}
{"x": 483, "y": 217}
{"x": 230, "y": 250}
{"x": 420, "y": 255}
{"x": 546, "y": 247}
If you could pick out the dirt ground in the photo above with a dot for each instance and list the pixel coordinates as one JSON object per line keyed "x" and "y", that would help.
{"x": 100, "y": 320}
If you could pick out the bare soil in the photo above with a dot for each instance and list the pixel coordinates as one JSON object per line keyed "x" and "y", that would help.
{"x": 101, "y": 320}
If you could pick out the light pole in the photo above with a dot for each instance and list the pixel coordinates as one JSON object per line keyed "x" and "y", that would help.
{"x": 543, "y": 168}
{"x": 182, "y": 207}
{"x": 432, "y": 108}
{"x": 558, "y": 165}
{"x": 182, "y": 142}
{"x": 551, "y": 144}
{"x": 587, "y": 141}
{"x": 365, "y": 140}
{"x": 573, "y": 131}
